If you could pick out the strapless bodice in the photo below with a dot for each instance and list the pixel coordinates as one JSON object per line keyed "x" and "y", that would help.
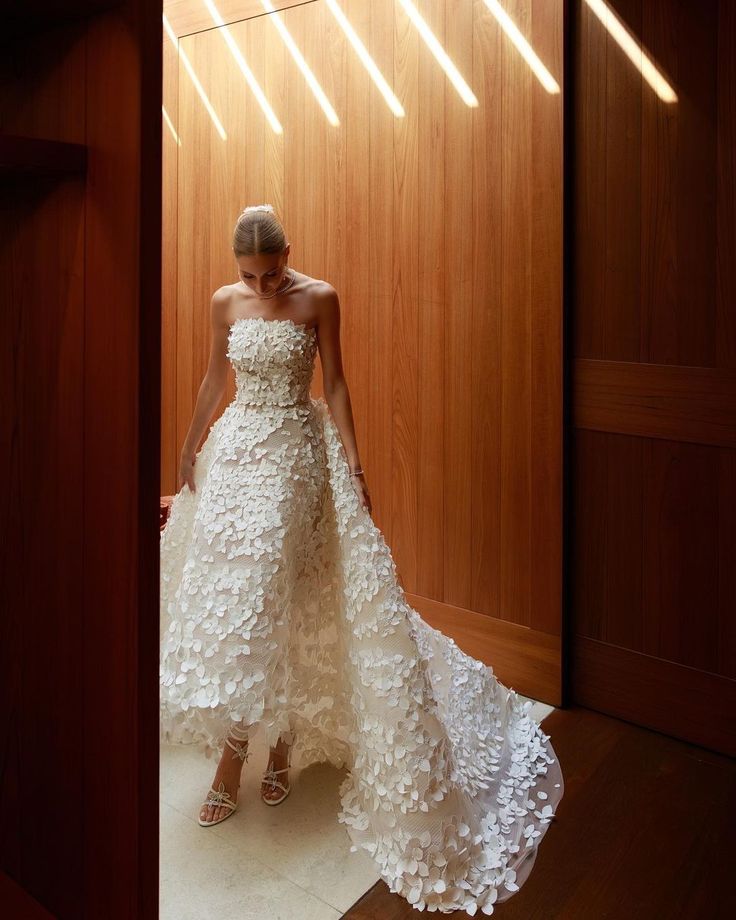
{"x": 273, "y": 361}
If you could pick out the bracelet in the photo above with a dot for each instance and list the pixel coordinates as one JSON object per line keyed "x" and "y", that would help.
{"x": 357, "y": 473}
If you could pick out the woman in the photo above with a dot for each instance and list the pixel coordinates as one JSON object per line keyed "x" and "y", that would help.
{"x": 281, "y": 608}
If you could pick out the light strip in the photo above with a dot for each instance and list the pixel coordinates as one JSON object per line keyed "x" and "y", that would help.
{"x": 523, "y": 46}
{"x": 171, "y": 126}
{"x": 197, "y": 85}
{"x": 633, "y": 50}
{"x": 368, "y": 62}
{"x": 466, "y": 94}
{"x": 302, "y": 64}
{"x": 246, "y": 71}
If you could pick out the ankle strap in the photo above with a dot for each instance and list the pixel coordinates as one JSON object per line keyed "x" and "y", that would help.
{"x": 241, "y": 750}
{"x": 239, "y": 732}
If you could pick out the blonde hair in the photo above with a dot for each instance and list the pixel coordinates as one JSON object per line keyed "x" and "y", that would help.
{"x": 258, "y": 229}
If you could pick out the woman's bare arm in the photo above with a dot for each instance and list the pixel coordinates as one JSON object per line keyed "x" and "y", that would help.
{"x": 336, "y": 390}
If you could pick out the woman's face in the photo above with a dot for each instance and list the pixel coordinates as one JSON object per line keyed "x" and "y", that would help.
{"x": 263, "y": 273}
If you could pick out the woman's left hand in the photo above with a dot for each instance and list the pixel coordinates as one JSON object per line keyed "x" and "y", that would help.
{"x": 361, "y": 490}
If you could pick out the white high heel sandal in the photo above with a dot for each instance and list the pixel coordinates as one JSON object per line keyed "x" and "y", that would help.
{"x": 269, "y": 777}
{"x": 220, "y": 796}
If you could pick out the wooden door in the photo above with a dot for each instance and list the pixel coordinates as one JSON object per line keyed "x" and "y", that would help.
{"x": 653, "y": 465}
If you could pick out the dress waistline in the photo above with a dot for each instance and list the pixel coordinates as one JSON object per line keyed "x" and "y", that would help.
{"x": 306, "y": 403}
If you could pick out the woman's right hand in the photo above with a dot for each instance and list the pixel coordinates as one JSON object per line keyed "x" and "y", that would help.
{"x": 186, "y": 470}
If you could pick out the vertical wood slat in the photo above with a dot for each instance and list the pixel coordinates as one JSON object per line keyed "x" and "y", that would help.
{"x": 169, "y": 221}
{"x": 517, "y": 165}
{"x": 590, "y": 219}
{"x": 546, "y": 345}
{"x": 621, "y": 165}
{"x": 458, "y": 192}
{"x": 405, "y": 306}
{"x": 431, "y": 537}
{"x": 488, "y": 304}
{"x": 378, "y": 298}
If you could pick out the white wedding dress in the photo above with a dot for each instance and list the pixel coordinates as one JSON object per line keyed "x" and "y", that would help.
{"x": 280, "y": 606}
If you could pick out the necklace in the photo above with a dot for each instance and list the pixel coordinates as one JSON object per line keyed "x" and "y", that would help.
{"x": 292, "y": 279}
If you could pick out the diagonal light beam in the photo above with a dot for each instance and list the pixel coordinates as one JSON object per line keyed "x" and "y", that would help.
{"x": 430, "y": 39}
{"x": 312, "y": 81}
{"x": 368, "y": 62}
{"x": 171, "y": 125}
{"x": 246, "y": 71}
{"x": 523, "y": 46}
{"x": 633, "y": 50}
{"x": 197, "y": 85}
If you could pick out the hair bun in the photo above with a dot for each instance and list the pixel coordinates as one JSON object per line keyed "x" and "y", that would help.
{"x": 259, "y": 207}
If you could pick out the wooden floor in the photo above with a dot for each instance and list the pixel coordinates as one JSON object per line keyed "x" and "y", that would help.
{"x": 645, "y": 831}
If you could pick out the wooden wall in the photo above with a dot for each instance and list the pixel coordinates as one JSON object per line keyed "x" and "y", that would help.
{"x": 442, "y": 233}
{"x": 80, "y": 267}
{"x": 654, "y": 400}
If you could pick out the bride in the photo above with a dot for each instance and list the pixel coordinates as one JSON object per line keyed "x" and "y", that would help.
{"x": 281, "y": 610}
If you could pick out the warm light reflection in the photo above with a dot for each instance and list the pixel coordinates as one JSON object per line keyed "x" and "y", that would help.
{"x": 633, "y": 50}
{"x": 466, "y": 94}
{"x": 246, "y": 71}
{"x": 368, "y": 62}
{"x": 171, "y": 126}
{"x": 302, "y": 64}
{"x": 523, "y": 46}
{"x": 197, "y": 85}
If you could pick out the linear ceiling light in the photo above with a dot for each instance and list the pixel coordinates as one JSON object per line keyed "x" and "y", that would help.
{"x": 171, "y": 126}
{"x": 633, "y": 50}
{"x": 302, "y": 64}
{"x": 368, "y": 62}
{"x": 246, "y": 71}
{"x": 466, "y": 94}
{"x": 197, "y": 85}
{"x": 523, "y": 46}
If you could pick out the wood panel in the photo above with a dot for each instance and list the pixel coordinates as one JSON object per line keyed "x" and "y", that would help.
{"x": 442, "y": 233}
{"x": 659, "y": 401}
{"x": 42, "y": 561}
{"x": 80, "y": 268}
{"x": 458, "y": 306}
{"x": 654, "y": 383}
{"x": 189, "y": 16}
{"x": 406, "y": 192}
{"x": 170, "y": 142}
{"x": 122, "y": 355}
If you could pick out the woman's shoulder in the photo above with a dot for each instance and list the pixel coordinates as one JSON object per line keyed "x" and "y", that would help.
{"x": 224, "y": 293}
{"x": 313, "y": 285}
{"x": 318, "y": 288}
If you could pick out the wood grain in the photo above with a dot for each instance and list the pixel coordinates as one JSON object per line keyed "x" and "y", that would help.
{"x": 81, "y": 283}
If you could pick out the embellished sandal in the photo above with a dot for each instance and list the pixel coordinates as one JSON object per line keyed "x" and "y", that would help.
{"x": 269, "y": 777}
{"x": 220, "y": 796}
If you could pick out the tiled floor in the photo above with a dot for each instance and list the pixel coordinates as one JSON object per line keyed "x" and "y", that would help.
{"x": 289, "y": 861}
